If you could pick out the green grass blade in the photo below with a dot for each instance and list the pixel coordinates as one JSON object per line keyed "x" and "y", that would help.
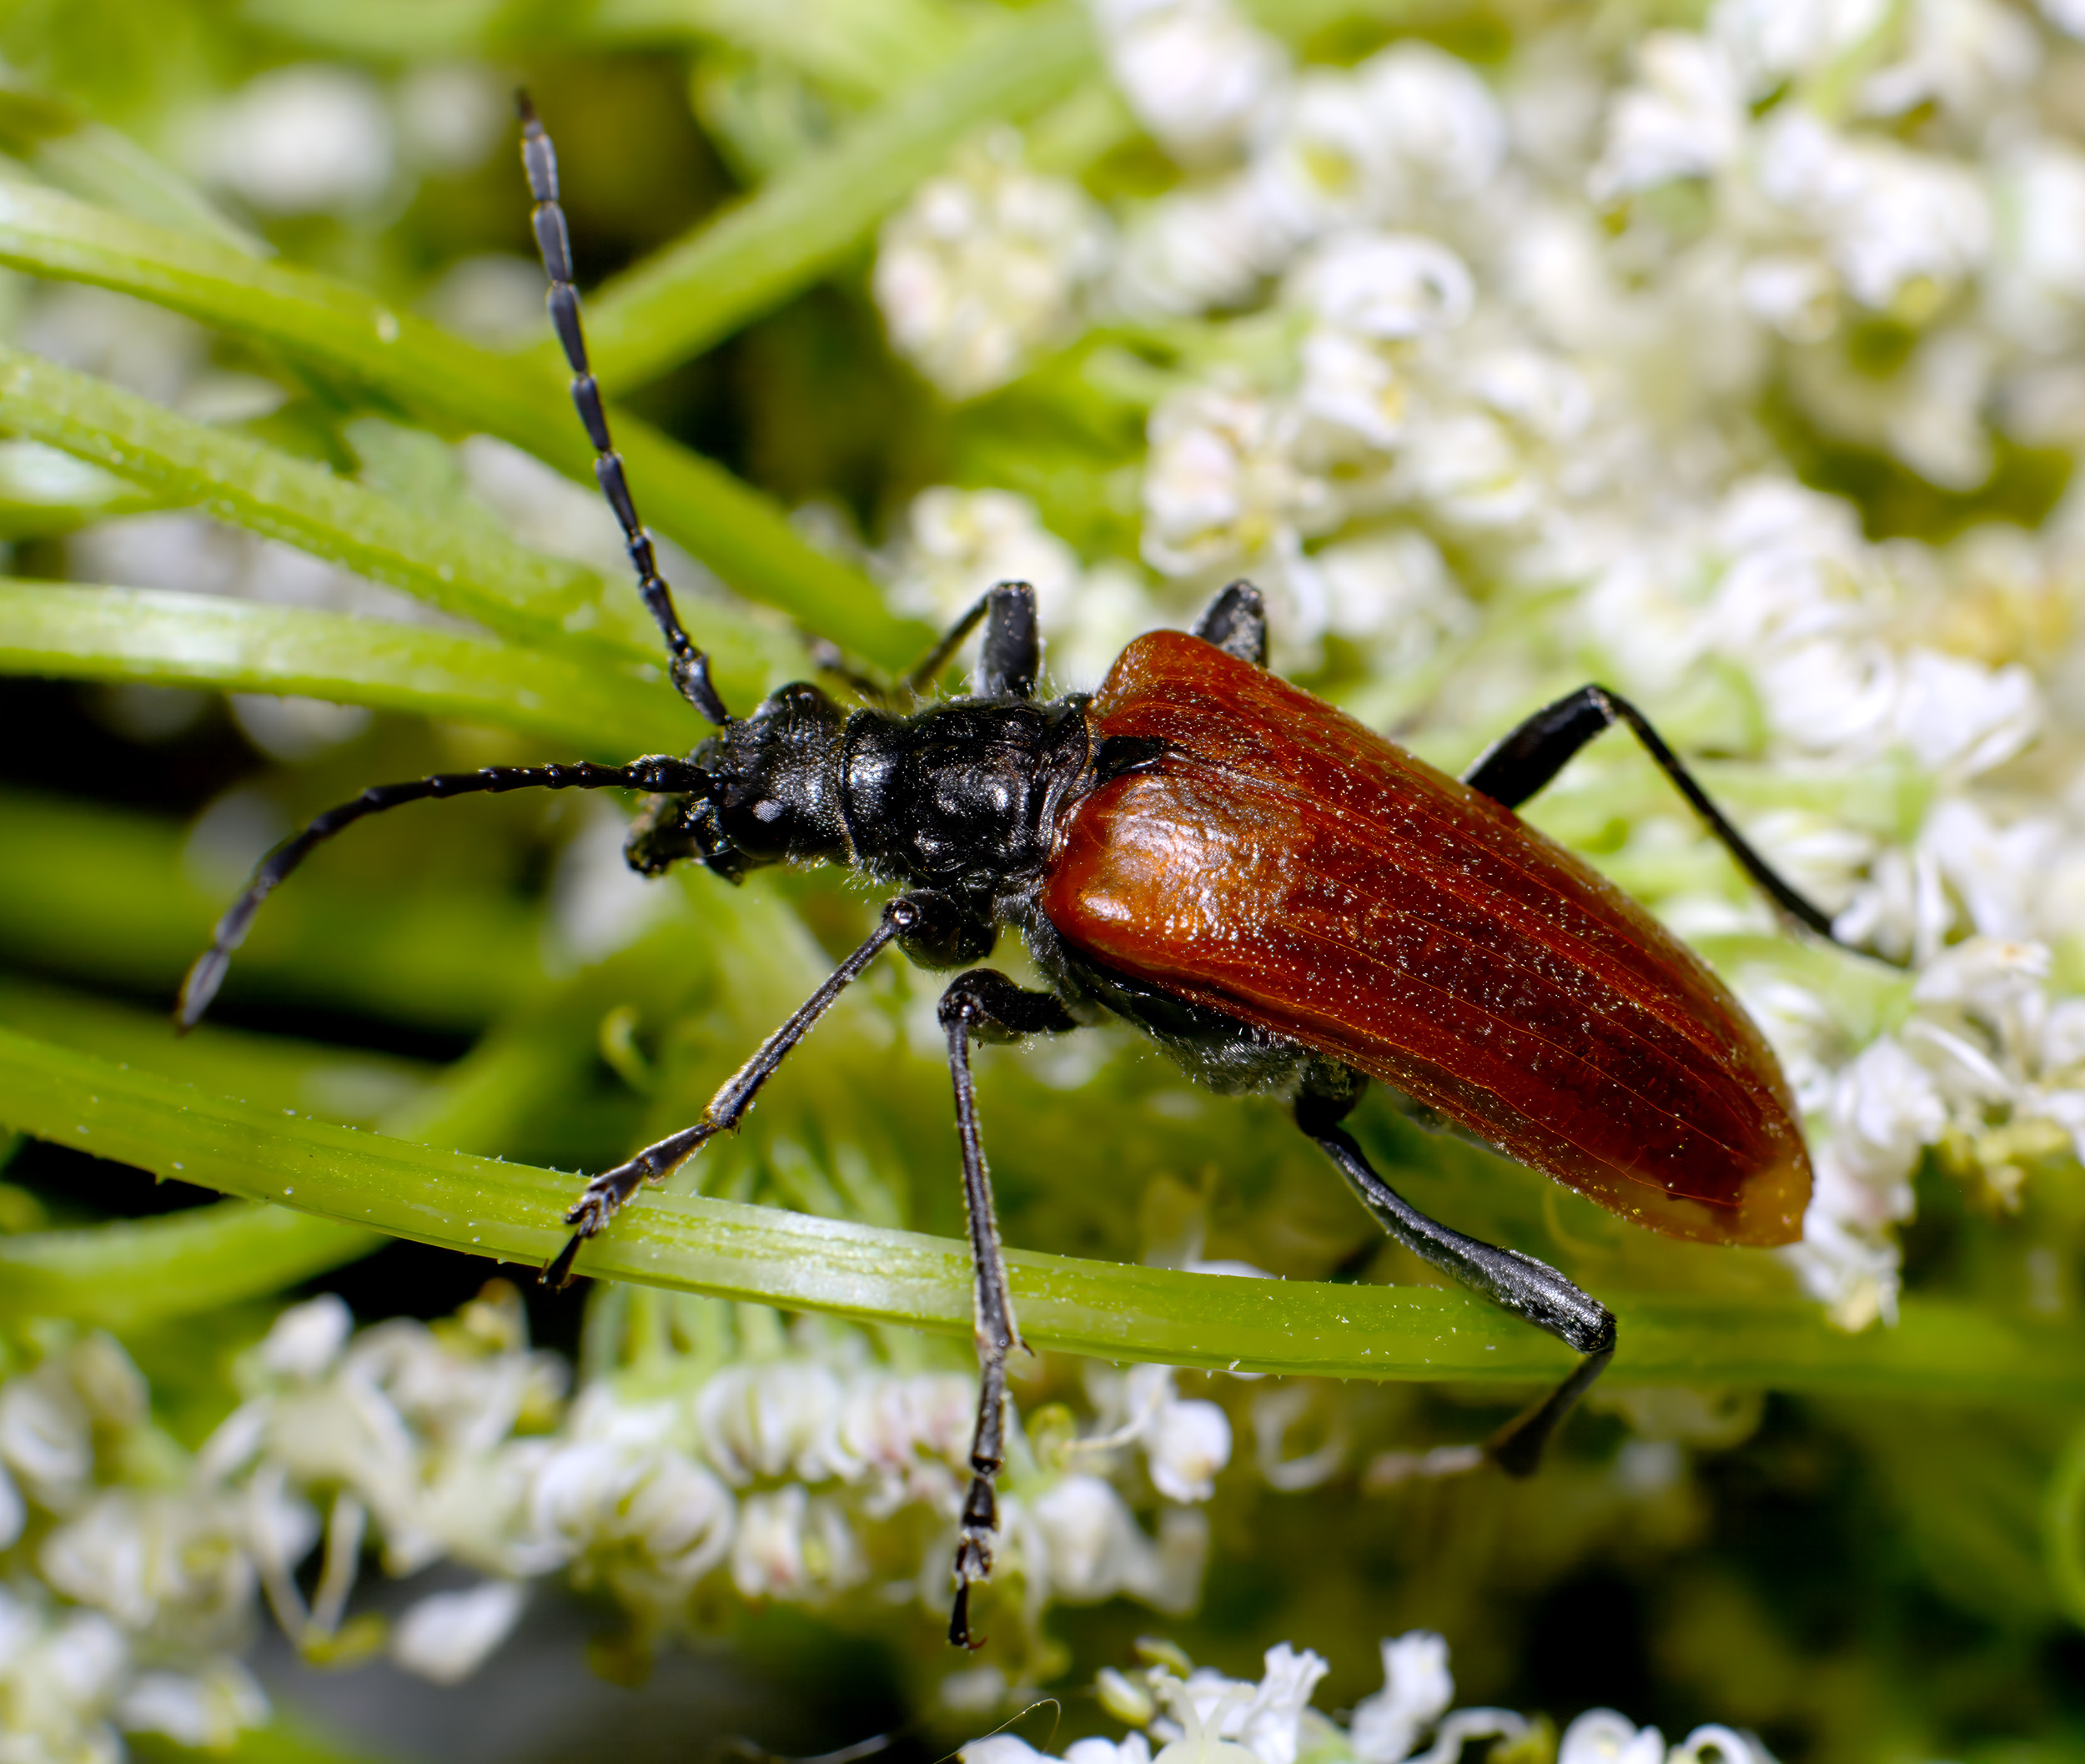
{"x": 1117, "y": 1312}
{"x": 334, "y": 1082}
{"x": 736, "y": 531}
{"x": 844, "y": 44}
{"x": 864, "y": 51}
{"x": 732, "y": 269}
{"x": 147, "y": 1270}
{"x": 104, "y": 895}
{"x": 462, "y": 567}
{"x": 65, "y": 146}
{"x": 44, "y": 492}
{"x": 590, "y": 707}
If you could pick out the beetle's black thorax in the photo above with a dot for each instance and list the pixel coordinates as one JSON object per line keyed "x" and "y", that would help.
{"x": 961, "y": 796}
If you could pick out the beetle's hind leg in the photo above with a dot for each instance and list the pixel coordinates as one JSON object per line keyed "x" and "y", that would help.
{"x": 1528, "y": 1288}
{"x": 985, "y": 1006}
{"x": 1521, "y": 762}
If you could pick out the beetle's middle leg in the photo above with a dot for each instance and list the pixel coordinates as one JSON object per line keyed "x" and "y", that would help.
{"x": 985, "y": 1006}
{"x": 1518, "y": 764}
{"x": 1009, "y": 655}
{"x": 1528, "y": 1288}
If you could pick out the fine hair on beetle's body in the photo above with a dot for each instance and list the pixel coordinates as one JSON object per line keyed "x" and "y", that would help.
{"x": 1282, "y": 899}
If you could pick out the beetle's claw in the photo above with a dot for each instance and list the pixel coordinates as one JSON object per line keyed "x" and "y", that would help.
{"x": 557, "y": 1272}
{"x": 590, "y": 1214}
{"x": 959, "y": 1634}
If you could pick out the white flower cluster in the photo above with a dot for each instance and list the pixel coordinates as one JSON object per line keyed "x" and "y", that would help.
{"x": 1983, "y": 1064}
{"x": 126, "y": 1590}
{"x": 318, "y": 139}
{"x": 810, "y": 1472}
{"x": 985, "y": 264}
{"x": 1488, "y": 376}
{"x": 1199, "y": 1717}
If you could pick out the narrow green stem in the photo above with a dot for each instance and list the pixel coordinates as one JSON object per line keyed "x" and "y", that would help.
{"x": 467, "y": 569}
{"x": 701, "y": 288}
{"x": 144, "y": 1271}
{"x": 2063, "y": 1528}
{"x": 110, "y": 896}
{"x": 68, "y": 147}
{"x": 736, "y": 531}
{"x": 269, "y": 1071}
{"x": 1112, "y": 1311}
{"x": 853, "y": 48}
{"x": 591, "y": 704}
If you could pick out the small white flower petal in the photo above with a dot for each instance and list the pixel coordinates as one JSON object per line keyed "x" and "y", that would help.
{"x": 307, "y": 1340}
{"x": 205, "y": 1711}
{"x": 448, "y": 1635}
{"x": 1603, "y": 1736}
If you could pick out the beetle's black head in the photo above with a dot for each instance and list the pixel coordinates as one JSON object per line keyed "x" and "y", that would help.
{"x": 771, "y": 793}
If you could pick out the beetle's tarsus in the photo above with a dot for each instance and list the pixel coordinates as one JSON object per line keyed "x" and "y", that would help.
{"x": 1236, "y": 622}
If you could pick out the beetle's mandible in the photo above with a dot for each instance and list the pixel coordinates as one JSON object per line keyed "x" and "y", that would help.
{"x": 1281, "y": 898}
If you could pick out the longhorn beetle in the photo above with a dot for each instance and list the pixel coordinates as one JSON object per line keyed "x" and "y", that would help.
{"x": 1280, "y": 897}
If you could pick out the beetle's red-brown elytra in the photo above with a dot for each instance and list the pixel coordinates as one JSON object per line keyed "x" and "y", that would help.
{"x": 1286, "y": 865}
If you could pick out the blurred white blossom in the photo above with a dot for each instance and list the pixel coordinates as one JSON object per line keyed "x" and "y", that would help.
{"x": 1196, "y": 72}
{"x": 803, "y": 1476}
{"x": 296, "y": 139}
{"x": 1417, "y": 1690}
{"x": 1210, "y": 1719}
{"x": 987, "y": 264}
{"x": 447, "y": 1635}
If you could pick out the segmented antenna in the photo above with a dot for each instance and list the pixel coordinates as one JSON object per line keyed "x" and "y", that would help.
{"x": 690, "y": 666}
{"x": 657, "y": 772}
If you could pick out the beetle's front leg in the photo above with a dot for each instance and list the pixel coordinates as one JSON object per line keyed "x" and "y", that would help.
{"x": 1518, "y": 1283}
{"x": 905, "y": 920}
{"x": 988, "y": 1007}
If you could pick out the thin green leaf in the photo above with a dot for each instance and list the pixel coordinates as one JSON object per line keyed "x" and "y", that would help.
{"x": 334, "y": 1082}
{"x": 592, "y": 707}
{"x": 679, "y": 302}
{"x": 109, "y": 896}
{"x": 471, "y": 571}
{"x": 864, "y": 49}
{"x": 44, "y": 492}
{"x": 65, "y": 146}
{"x": 464, "y": 566}
{"x": 699, "y": 1244}
{"x": 147, "y": 1270}
{"x": 386, "y": 30}
{"x": 736, "y": 531}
